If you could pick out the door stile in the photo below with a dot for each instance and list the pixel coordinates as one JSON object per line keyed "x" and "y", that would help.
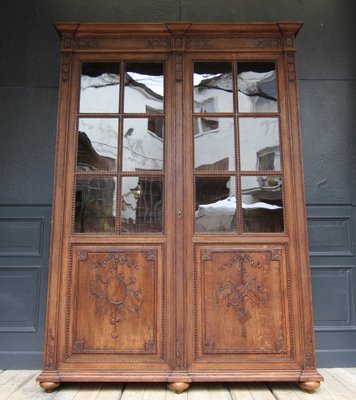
{"x": 178, "y": 215}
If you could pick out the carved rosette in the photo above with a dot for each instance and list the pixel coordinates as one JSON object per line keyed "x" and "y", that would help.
{"x": 115, "y": 287}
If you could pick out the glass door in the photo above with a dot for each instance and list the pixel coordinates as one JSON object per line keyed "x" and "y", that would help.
{"x": 116, "y": 309}
{"x": 236, "y": 234}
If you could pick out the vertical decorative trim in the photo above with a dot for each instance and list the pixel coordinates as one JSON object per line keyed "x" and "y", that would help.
{"x": 179, "y": 67}
{"x": 50, "y": 350}
{"x": 65, "y": 70}
{"x": 180, "y": 348}
{"x": 309, "y": 350}
{"x": 291, "y": 67}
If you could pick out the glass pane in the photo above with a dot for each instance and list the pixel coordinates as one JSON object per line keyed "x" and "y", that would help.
{"x": 99, "y": 88}
{"x": 143, "y": 144}
{"x": 214, "y": 143}
{"x": 257, "y": 89}
{"x": 97, "y": 144}
{"x": 95, "y": 204}
{"x": 215, "y": 204}
{"x": 144, "y": 88}
{"x": 213, "y": 87}
{"x": 141, "y": 209}
{"x": 259, "y": 144}
{"x": 262, "y": 203}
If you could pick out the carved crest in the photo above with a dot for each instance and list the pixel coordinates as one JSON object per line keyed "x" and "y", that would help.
{"x": 240, "y": 286}
{"x": 115, "y": 287}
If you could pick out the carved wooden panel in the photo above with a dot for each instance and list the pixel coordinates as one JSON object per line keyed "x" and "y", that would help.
{"x": 240, "y": 303}
{"x": 117, "y": 304}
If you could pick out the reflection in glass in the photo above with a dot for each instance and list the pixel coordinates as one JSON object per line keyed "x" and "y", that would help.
{"x": 144, "y": 88}
{"x": 95, "y": 204}
{"x": 97, "y": 144}
{"x": 99, "y": 88}
{"x": 141, "y": 208}
{"x": 259, "y": 144}
{"x": 143, "y": 144}
{"x": 257, "y": 89}
{"x": 215, "y": 204}
{"x": 213, "y": 87}
{"x": 262, "y": 204}
{"x": 214, "y": 143}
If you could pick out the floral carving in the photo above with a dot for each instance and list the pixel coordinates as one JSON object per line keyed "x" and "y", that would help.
{"x": 198, "y": 43}
{"x": 115, "y": 286}
{"x": 291, "y": 67}
{"x": 276, "y": 254}
{"x": 78, "y": 346}
{"x": 179, "y": 350}
{"x": 206, "y": 255}
{"x": 50, "y": 352}
{"x": 235, "y": 289}
{"x": 158, "y": 43}
{"x": 65, "y": 67}
{"x": 208, "y": 346}
{"x": 309, "y": 350}
{"x": 150, "y": 346}
{"x": 272, "y": 43}
{"x": 67, "y": 42}
{"x": 280, "y": 346}
{"x": 87, "y": 43}
{"x": 82, "y": 255}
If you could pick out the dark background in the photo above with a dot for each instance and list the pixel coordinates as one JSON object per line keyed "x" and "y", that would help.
{"x": 29, "y": 75}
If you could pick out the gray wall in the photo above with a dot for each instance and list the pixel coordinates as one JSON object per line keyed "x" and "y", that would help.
{"x": 29, "y": 69}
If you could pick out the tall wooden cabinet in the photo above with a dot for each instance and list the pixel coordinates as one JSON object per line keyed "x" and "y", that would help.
{"x": 179, "y": 247}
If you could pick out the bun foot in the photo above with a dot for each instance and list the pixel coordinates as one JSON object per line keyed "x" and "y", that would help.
{"x": 178, "y": 387}
{"x": 309, "y": 386}
{"x": 49, "y": 386}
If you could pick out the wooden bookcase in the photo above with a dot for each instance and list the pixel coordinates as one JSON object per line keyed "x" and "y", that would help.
{"x": 179, "y": 246}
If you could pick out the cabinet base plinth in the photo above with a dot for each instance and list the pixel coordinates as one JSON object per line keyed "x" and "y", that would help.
{"x": 49, "y": 386}
{"x": 178, "y": 387}
{"x": 309, "y": 387}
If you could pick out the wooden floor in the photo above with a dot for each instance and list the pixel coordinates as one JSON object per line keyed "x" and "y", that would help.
{"x": 340, "y": 384}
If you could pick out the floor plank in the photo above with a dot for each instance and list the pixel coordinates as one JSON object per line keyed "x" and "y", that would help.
{"x": 111, "y": 391}
{"x": 340, "y": 388}
{"x": 134, "y": 391}
{"x": 291, "y": 391}
{"x": 219, "y": 391}
{"x": 66, "y": 391}
{"x": 30, "y": 390}
{"x": 198, "y": 391}
{"x": 12, "y": 380}
{"x": 170, "y": 395}
{"x": 250, "y": 391}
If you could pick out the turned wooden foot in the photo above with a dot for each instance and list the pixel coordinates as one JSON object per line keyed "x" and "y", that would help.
{"x": 178, "y": 387}
{"x": 49, "y": 386}
{"x": 309, "y": 386}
